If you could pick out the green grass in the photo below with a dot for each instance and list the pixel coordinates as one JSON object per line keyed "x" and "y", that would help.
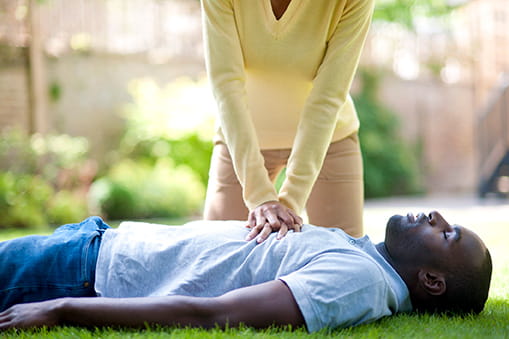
{"x": 493, "y": 322}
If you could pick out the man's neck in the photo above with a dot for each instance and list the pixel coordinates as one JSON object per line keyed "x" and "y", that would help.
{"x": 404, "y": 274}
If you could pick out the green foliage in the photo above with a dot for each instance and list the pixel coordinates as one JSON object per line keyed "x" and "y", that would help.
{"x": 137, "y": 190}
{"x": 16, "y": 153}
{"x": 41, "y": 179}
{"x": 189, "y": 150}
{"x": 29, "y": 200}
{"x": 390, "y": 165}
{"x": 37, "y": 154}
{"x": 55, "y": 91}
{"x": 23, "y": 200}
{"x": 405, "y": 12}
{"x": 169, "y": 122}
{"x": 161, "y": 166}
{"x": 66, "y": 206}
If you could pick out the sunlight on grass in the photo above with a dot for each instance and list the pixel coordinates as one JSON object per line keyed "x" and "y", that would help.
{"x": 157, "y": 110}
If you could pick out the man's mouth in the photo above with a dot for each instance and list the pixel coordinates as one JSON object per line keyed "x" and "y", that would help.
{"x": 416, "y": 218}
{"x": 410, "y": 217}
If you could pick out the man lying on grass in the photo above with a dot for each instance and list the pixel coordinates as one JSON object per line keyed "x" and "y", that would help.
{"x": 206, "y": 274}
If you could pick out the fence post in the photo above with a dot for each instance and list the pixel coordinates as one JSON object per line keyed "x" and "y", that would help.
{"x": 37, "y": 84}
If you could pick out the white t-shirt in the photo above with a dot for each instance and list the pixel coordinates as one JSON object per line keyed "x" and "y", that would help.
{"x": 337, "y": 280}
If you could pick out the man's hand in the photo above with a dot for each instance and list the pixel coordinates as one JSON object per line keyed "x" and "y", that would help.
{"x": 269, "y": 217}
{"x": 30, "y": 315}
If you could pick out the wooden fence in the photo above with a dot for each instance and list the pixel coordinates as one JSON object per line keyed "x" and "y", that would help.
{"x": 166, "y": 28}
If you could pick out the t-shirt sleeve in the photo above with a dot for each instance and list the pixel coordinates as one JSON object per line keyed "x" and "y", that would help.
{"x": 225, "y": 67}
{"x": 319, "y": 117}
{"x": 354, "y": 293}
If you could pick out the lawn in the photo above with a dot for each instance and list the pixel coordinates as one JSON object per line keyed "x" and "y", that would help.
{"x": 491, "y": 222}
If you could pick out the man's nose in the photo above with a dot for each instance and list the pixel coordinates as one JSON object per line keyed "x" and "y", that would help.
{"x": 436, "y": 218}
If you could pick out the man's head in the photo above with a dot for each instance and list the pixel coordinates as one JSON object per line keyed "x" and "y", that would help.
{"x": 447, "y": 268}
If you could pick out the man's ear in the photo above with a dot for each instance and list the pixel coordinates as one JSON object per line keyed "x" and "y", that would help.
{"x": 432, "y": 282}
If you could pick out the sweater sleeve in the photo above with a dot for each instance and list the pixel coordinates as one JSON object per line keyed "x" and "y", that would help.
{"x": 225, "y": 67}
{"x": 329, "y": 94}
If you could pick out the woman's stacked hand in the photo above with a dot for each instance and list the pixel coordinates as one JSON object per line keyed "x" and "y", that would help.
{"x": 272, "y": 216}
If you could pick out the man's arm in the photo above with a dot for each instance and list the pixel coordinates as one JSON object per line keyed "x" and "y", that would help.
{"x": 260, "y": 306}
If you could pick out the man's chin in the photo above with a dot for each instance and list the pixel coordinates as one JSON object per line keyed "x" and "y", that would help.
{"x": 394, "y": 226}
{"x": 395, "y": 221}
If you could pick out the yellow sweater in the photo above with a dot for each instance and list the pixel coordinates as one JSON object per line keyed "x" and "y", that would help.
{"x": 283, "y": 84}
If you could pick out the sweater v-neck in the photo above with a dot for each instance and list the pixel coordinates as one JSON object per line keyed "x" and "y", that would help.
{"x": 278, "y": 26}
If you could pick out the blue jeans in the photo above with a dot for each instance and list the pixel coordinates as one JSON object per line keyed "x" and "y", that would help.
{"x": 36, "y": 267}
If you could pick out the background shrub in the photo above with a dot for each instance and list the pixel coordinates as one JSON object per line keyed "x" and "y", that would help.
{"x": 43, "y": 179}
{"x": 189, "y": 150}
{"x": 67, "y": 207}
{"x": 136, "y": 190}
{"x": 23, "y": 199}
{"x": 391, "y": 165}
{"x": 160, "y": 168}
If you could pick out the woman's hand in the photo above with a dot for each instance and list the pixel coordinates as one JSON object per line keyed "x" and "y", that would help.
{"x": 269, "y": 217}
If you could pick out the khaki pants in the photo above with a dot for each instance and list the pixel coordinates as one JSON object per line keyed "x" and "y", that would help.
{"x": 336, "y": 199}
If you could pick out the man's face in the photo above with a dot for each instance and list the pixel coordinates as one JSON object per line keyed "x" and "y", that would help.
{"x": 429, "y": 240}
